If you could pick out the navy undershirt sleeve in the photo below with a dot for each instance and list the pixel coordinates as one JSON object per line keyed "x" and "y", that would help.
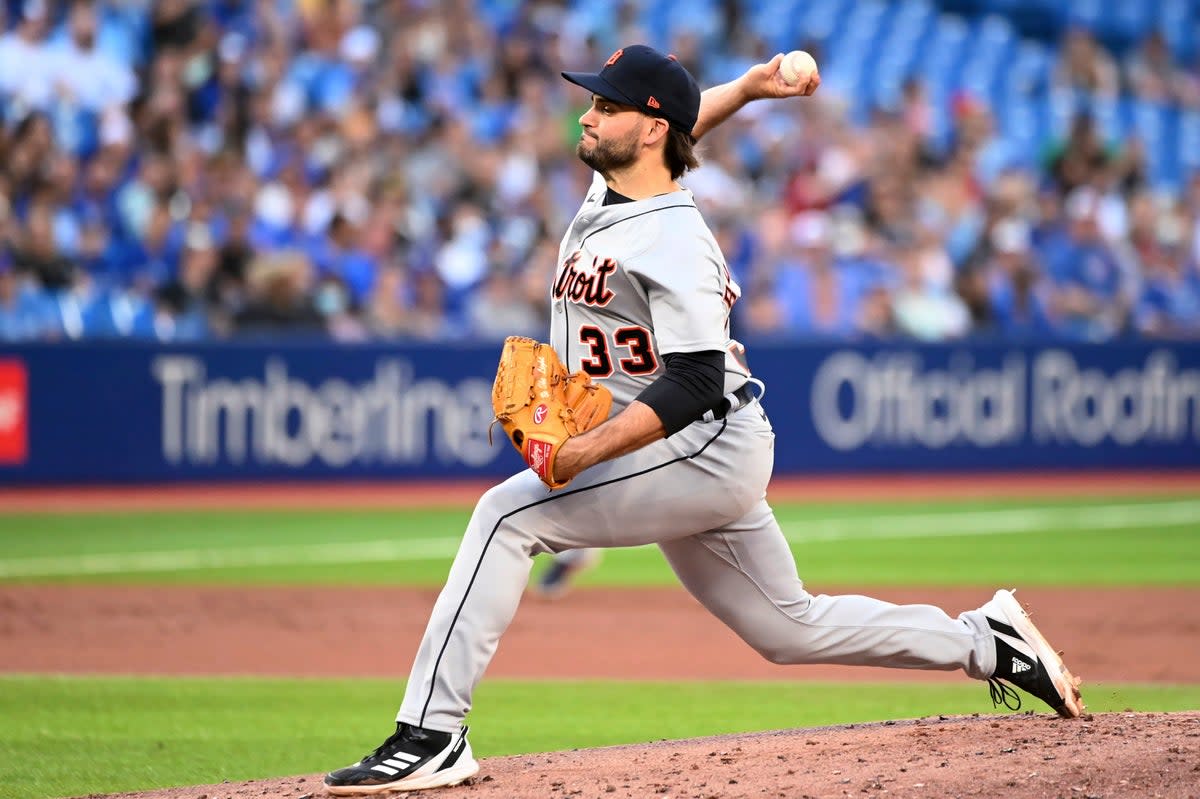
{"x": 694, "y": 382}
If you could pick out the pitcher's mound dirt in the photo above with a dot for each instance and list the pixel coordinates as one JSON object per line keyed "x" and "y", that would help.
{"x": 1026, "y": 755}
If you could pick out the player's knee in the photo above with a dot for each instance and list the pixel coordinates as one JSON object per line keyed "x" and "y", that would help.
{"x": 490, "y": 514}
{"x": 495, "y": 523}
{"x": 492, "y": 499}
{"x": 780, "y": 647}
{"x": 499, "y": 503}
{"x": 779, "y": 655}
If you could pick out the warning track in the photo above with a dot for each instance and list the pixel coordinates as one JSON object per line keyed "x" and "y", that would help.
{"x": 409, "y": 494}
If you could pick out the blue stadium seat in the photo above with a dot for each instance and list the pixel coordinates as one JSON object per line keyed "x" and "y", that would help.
{"x": 908, "y": 33}
{"x": 1148, "y": 119}
{"x": 945, "y": 51}
{"x": 1167, "y": 171}
{"x": 1156, "y": 126}
{"x": 1018, "y": 119}
{"x": 989, "y": 56}
{"x": 780, "y": 23}
{"x": 1030, "y": 69}
{"x": 865, "y": 21}
{"x": 1188, "y": 141}
{"x": 1110, "y": 122}
{"x": 1057, "y": 110}
{"x": 966, "y": 7}
{"x": 980, "y": 76}
{"x": 852, "y": 48}
{"x": 1179, "y": 23}
{"x": 1086, "y": 13}
{"x": 995, "y": 34}
{"x": 1126, "y": 23}
{"x": 665, "y": 19}
{"x": 1043, "y": 21}
{"x": 820, "y": 20}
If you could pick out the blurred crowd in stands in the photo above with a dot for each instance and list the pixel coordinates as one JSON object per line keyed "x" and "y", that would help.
{"x": 403, "y": 169}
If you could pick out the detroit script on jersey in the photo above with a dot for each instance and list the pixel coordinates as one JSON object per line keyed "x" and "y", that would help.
{"x": 588, "y": 286}
{"x": 636, "y": 281}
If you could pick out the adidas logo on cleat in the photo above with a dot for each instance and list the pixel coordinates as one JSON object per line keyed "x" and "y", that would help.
{"x": 1025, "y": 659}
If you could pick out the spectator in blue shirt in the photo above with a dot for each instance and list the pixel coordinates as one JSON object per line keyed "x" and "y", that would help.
{"x": 178, "y": 309}
{"x": 154, "y": 259}
{"x": 342, "y": 257}
{"x": 1169, "y": 304}
{"x": 24, "y": 308}
{"x": 87, "y": 77}
{"x": 1018, "y": 295}
{"x": 37, "y": 253}
{"x": 1090, "y": 292}
{"x": 817, "y": 293}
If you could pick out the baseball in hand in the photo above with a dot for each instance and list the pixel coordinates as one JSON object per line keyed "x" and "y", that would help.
{"x": 797, "y": 66}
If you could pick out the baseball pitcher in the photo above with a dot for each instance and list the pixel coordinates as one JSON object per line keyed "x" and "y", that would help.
{"x": 642, "y": 424}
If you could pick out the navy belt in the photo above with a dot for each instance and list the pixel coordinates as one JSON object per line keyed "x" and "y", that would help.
{"x": 731, "y": 403}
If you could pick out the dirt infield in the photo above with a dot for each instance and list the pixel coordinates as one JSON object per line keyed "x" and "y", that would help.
{"x": 1028, "y": 756}
{"x": 1111, "y": 634}
{"x": 648, "y": 634}
{"x": 664, "y": 634}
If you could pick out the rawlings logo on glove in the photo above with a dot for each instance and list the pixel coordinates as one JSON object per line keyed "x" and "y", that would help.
{"x": 540, "y": 405}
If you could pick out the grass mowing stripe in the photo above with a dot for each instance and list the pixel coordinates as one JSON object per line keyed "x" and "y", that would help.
{"x": 867, "y": 527}
{"x": 997, "y": 522}
{"x": 188, "y": 559}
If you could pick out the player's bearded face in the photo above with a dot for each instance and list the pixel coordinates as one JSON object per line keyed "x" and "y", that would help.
{"x": 608, "y": 154}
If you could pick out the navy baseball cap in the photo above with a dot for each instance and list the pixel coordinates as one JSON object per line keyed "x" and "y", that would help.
{"x": 648, "y": 80}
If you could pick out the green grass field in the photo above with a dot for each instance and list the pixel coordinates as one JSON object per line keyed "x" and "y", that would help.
{"x": 142, "y": 733}
{"x": 1105, "y": 542}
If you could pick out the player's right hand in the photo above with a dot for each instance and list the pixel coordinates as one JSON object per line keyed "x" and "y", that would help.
{"x": 763, "y": 81}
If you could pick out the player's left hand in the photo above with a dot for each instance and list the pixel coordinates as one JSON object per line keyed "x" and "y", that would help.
{"x": 541, "y": 406}
{"x": 763, "y": 81}
{"x": 568, "y": 461}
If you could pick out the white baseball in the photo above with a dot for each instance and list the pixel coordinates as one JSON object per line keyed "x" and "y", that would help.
{"x": 797, "y": 65}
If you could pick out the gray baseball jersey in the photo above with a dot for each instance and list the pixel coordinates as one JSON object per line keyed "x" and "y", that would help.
{"x": 636, "y": 281}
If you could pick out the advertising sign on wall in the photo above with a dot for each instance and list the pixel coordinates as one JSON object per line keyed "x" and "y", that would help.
{"x": 132, "y": 412}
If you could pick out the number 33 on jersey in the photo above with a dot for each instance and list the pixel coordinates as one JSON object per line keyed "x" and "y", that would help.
{"x": 618, "y": 305}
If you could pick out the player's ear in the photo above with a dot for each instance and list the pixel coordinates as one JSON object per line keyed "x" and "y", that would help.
{"x": 657, "y": 130}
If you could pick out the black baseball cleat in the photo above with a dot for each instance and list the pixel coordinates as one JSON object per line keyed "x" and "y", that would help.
{"x": 1024, "y": 658}
{"x": 412, "y": 759}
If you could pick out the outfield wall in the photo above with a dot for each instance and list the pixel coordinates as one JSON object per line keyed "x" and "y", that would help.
{"x": 130, "y": 412}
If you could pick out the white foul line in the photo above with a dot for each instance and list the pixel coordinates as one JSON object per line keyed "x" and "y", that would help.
{"x": 864, "y": 528}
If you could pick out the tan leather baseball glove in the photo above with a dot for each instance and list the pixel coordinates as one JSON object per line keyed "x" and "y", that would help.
{"x": 540, "y": 405}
